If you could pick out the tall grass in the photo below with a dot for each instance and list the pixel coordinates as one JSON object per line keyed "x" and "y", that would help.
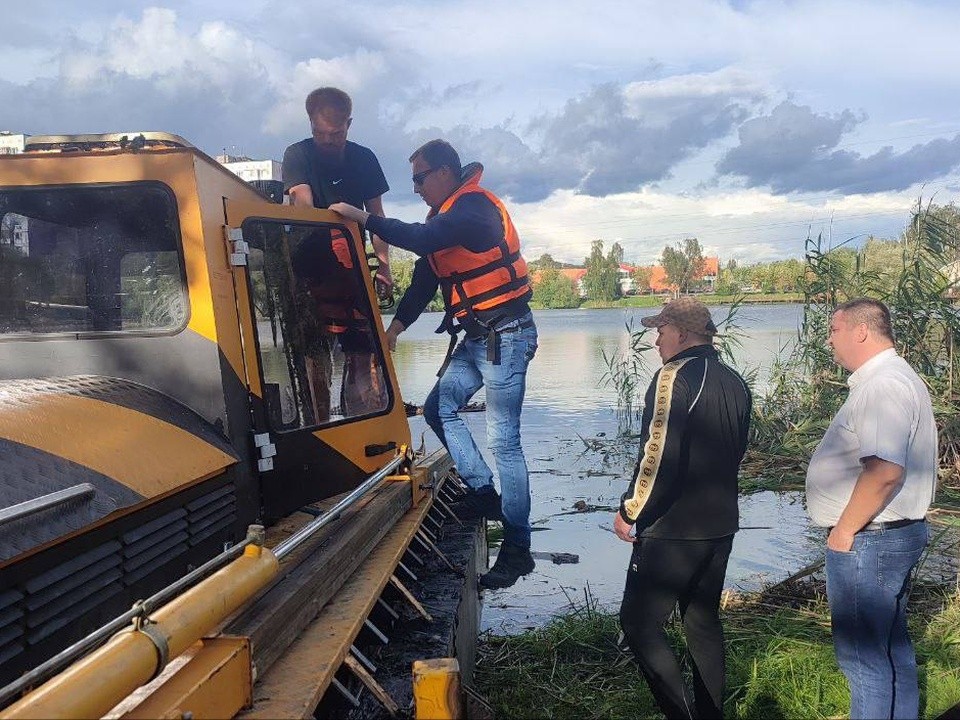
{"x": 807, "y": 387}
{"x": 780, "y": 661}
{"x": 629, "y": 372}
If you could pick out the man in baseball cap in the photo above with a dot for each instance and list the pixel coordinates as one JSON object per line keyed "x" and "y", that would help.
{"x": 685, "y": 313}
{"x": 680, "y": 510}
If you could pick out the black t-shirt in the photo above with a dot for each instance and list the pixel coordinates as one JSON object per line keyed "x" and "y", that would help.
{"x": 355, "y": 179}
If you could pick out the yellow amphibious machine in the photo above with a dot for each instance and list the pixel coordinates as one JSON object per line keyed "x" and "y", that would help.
{"x": 206, "y": 481}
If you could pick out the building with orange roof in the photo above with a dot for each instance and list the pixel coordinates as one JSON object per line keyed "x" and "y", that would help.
{"x": 658, "y": 277}
{"x": 660, "y": 284}
{"x": 575, "y": 275}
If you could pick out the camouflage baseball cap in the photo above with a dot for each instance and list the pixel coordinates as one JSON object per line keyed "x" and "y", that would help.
{"x": 685, "y": 313}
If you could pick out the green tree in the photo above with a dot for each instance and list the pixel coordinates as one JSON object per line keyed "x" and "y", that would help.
{"x": 401, "y": 267}
{"x": 552, "y": 289}
{"x": 602, "y": 281}
{"x": 544, "y": 261}
{"x": 731, "y": 279}
{"x": 683, "y": 263}
{"x": 641, "y": 279}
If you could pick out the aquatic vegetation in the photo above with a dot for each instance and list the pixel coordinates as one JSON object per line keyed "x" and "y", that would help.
{"x": 806, "y": 386}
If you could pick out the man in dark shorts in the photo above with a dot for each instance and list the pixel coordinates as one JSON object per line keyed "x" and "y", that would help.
{"x": 318, "y": 171}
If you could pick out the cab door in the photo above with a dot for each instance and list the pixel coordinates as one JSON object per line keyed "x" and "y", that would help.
{"x": 326, "y": 408}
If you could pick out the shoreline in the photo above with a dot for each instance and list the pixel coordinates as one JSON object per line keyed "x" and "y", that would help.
{"x": 644, "y": 301}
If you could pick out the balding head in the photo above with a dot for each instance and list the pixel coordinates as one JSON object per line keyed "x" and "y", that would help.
{"x": 873, "y": 313}
{"x": 859, "y": 330}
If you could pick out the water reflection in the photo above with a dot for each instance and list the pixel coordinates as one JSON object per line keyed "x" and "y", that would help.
{"x": 569, "y": 431}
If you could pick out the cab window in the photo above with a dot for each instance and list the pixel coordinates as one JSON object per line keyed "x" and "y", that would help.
{"x": 319, "y": 349}
{"x": 91, "y": 259}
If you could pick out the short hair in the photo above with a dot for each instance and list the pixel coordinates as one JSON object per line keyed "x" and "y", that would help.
{"x": 874, "y": 313}
{"x": 438, "y": 153}
{"x": 329, "y": 98}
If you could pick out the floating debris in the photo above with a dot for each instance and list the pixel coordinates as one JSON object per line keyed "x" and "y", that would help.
{"x": 412, "y": 409}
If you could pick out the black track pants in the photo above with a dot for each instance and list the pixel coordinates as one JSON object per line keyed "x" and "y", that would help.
{"x": 663, "y": 574}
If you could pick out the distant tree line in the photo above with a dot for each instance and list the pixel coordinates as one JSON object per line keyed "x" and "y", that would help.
{"x": 684, "y": 262}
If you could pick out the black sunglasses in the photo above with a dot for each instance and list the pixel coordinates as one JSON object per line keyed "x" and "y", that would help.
{"x": 422, "y": 175}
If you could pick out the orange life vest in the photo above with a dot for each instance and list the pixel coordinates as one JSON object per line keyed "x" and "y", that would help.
{"x": 472, "y": 281}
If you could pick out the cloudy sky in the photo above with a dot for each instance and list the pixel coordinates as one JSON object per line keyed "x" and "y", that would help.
{"x": 747, "y": 124}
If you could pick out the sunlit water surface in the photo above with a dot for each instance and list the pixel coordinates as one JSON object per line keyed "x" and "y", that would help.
{"x": 569, "y": 436}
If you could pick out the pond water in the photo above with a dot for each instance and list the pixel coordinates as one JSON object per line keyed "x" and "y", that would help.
{"x": 569, "y": 434}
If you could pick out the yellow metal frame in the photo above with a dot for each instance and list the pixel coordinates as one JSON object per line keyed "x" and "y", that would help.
{"x": 436, "y": 689}
{"x": 199, "y": 185}
{"x": 216, "y": 683}
{"x": 295, "y": 684}
{"x": 349, "y": 439}
{"x": 95, "y": 684}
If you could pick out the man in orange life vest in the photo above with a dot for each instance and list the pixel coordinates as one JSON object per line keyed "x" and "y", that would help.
{"x": 469, "y": 246}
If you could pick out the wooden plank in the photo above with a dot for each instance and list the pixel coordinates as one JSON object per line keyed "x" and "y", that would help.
{"x": 372, "y": 685}
{"x": 277, "y": 617}
{"x": 294, "y": 685}
{"x": 408, "y": 596}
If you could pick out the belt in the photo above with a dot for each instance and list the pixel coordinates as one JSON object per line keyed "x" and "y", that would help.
{"x": 889, "y": 524}
{"x": 885, "y": 525}
{"x": 493, "y": 343}
{"x": 525, "y": 325}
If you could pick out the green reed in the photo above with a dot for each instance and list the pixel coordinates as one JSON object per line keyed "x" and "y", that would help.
{"x": 807, "y": 387}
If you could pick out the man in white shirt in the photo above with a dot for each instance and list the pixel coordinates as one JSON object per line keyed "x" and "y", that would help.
{"x": 871, "y": 481}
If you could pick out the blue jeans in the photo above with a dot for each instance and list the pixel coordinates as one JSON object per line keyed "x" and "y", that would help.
{"x": 468, "y": 371}
{"x": 867, "y": 588}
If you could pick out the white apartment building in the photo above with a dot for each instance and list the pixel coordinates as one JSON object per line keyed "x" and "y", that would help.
{"x": 14, "y": 230}
{"x": 12, "y": 143}
{"x": 249, "y": 170}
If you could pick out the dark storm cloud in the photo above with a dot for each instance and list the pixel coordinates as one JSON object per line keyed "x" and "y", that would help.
{"x": 117, "y": 103}
{"x": 617, "y": 148}
{"x": 511, "y": 166}
{"x": 601, "y": 143}
{"x": 793, "y": 149}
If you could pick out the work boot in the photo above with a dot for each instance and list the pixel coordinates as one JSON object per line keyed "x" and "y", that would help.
{"x": 512, "y": 563}
{"x": 476, "y": 504}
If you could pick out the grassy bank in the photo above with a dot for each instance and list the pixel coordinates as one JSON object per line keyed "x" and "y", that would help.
{"x": 780, "y": 661}
{"x": 705, "y": 298}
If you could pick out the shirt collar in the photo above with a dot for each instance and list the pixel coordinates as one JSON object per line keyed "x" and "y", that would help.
{"x": 705, "y": 350}
{"x": 870, "y": 366}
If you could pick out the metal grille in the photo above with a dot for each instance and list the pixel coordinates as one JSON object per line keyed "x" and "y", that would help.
{"x": 105, "y": 578}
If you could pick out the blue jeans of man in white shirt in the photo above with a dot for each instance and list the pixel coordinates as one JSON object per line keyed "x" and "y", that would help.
{"x": 868, "y": 588}
{"x": 468, "y": 371}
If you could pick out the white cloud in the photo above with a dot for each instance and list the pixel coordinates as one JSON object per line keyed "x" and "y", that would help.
{"x": 514, "y": 82}
{"x": 149, "y": 48}
{"x": 750, "y": 225}
{"x": 352, "y": 73}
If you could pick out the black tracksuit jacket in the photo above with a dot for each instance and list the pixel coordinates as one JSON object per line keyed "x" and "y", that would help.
{"x": 696, "y": 420}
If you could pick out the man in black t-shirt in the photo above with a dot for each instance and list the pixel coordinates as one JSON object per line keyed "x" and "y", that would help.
{"x": 318, "y": 171}
{"x": 328, "y": 168}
